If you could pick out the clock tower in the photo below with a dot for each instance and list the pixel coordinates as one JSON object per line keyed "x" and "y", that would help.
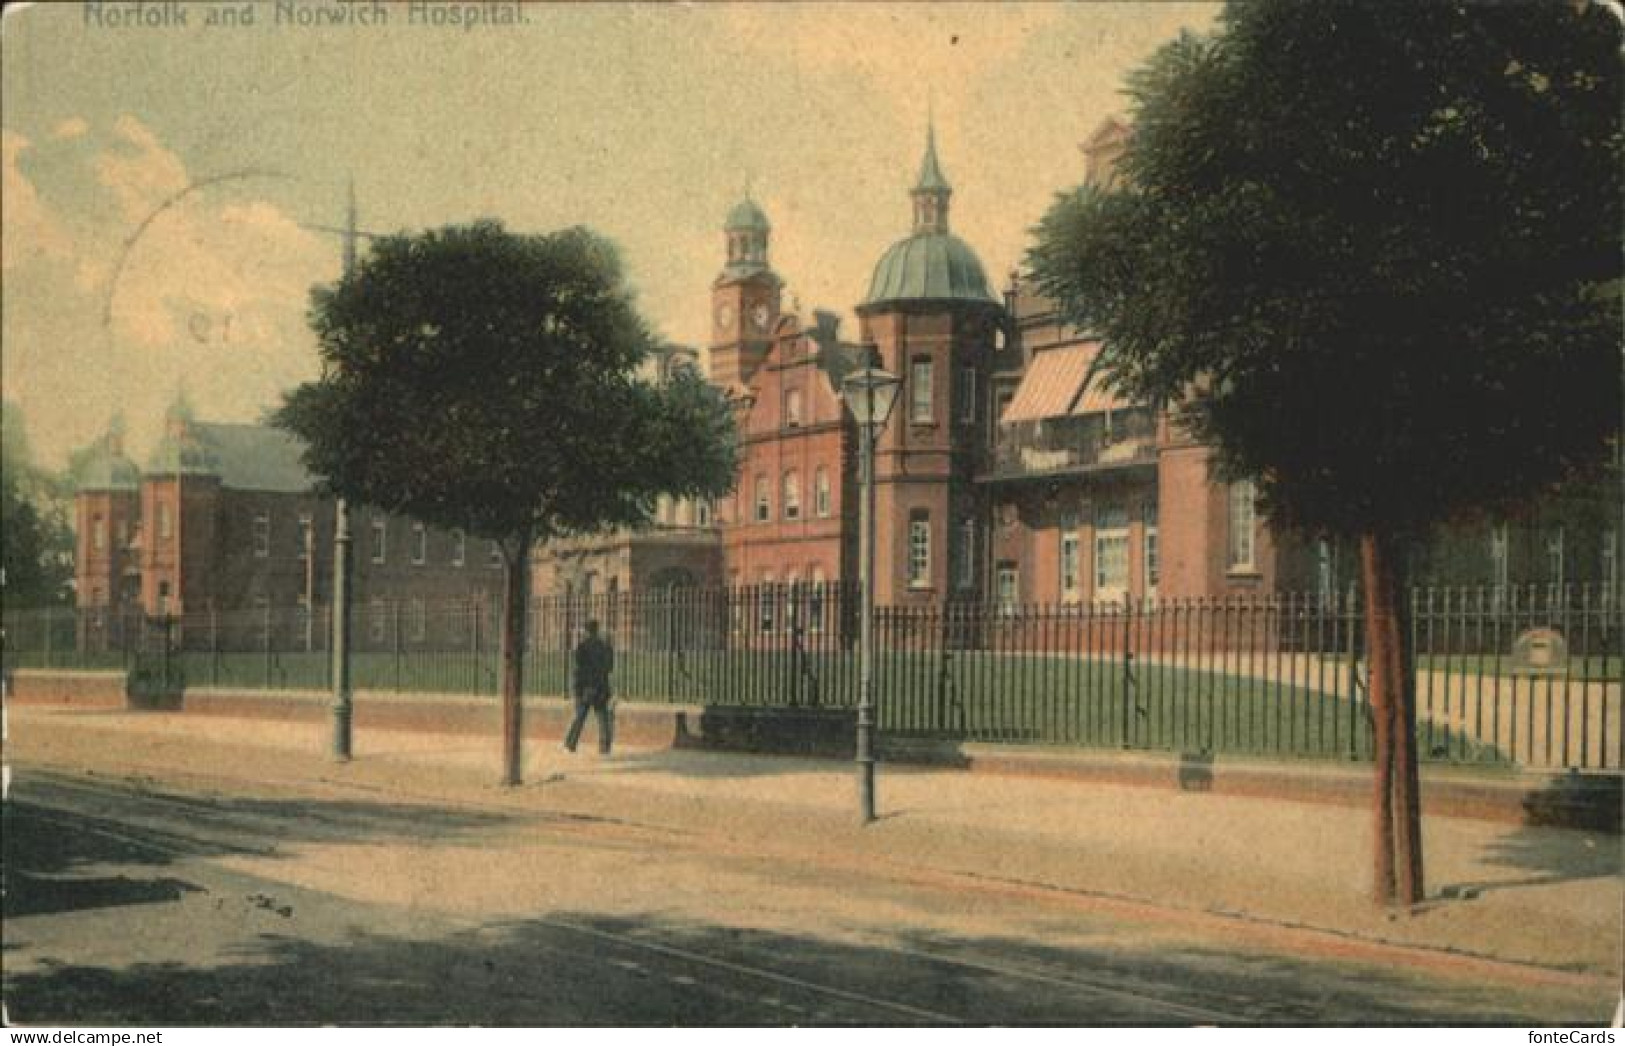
{"x": 744, "y": 299}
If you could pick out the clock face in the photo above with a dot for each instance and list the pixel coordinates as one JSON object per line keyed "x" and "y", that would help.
{"x": 725, "y": 315}
{"x": 759, "y": 316}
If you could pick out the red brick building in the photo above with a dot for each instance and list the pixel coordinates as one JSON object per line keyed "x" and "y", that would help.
{"x": 678, "y": 549}
{"x": 1005, "y": 472}
{"x": 223, "y": 520}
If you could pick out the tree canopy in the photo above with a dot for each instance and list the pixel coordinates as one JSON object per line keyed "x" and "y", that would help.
{"x": 1370, "y": 254}
{"x": 36, "y": 541}
{"x": 1372, "y": 248}
{"x": 487, "y": 380}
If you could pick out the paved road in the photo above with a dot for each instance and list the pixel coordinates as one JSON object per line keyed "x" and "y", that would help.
{"x": 145, "y": 902}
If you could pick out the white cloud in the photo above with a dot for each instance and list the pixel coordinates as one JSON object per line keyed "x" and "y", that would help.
{"x": 138, "y": 170}
{"x": 28, "y": 229}
{"x": 209, "y": 287}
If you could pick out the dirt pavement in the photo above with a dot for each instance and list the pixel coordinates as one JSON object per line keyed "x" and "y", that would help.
{"x": 1531, "y": 904}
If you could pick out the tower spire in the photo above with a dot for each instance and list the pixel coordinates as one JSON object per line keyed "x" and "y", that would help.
{"x": 931, "y": 190}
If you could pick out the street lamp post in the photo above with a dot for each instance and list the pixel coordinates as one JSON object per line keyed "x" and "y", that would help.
{"x": 870, "y": 395}
{"x": 343, "y": 699}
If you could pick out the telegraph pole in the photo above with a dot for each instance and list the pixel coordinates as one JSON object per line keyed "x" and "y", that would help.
{"x": 343, "y": 697}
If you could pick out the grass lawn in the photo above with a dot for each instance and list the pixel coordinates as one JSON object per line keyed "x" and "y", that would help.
{"x": 976, "y": 695}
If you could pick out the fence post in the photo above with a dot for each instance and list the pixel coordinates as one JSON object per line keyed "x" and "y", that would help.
{"x": 267, "y": 641}
{"x": 396, "y": 624}
{"x": 169, "y": 623}
{"x": 1130, "y": 704}
{"x": 671, "y": 643}
{"x": 1351, "y": 621}
{"x": 48, "y": 630}
{"x": 474, "y": 631}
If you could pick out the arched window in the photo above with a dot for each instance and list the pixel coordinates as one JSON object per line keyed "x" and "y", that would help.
{"x": 763, "y": 511}
{"x": 792, "y": 408}
{"x": 821, "y": 501}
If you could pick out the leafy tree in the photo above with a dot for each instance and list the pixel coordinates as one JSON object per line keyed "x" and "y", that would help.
{"x": 486, "y": 380}
{"x": 36, "y": 542}
{"x": 1371, "y": 252}
{"x": 38, "y": 548}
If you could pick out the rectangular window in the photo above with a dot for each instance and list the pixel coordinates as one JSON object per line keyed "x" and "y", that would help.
{"x": 1007, "y": 587}
{"x": 262, "y": 535}
{"x": 306, "y": 536}
{"x": 1243, "y": 522}
{"x": 380, "y": 539}
{"x": 1499, "y": 574}
{"x": 815, "y": 599}
{"x": 494, "y": 557}
{"x": 919, "y": 390}
{"x": 163, "y": 597}
{"x": 420, "y": 544}
{"x": 1610, "y": 568}
{"x": 459, "y": 547}
{"x": 1071, "y": 568}
{"x": 792, "y": 495}
{"x": 98, "y": 533}
{"x": 967, "y": 552}
{"x": 966, "y": 393}
{"x": 763, "y": 512}
{"x": 821, "y": 492}
{"x": 1111, "y": 564}
{"x": 702, "y": 513}
{"x": 1150, "y": 564}
{"x": 769, "y": 602}
{"x": 1111, "y": 551}
{"x": 166, "y": 525}
{"x": 420, "y": 621}
{"x": 919, "y": 549}
{"x": 1325, "y": 572}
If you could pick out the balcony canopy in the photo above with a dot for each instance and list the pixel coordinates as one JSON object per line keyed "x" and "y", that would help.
{"x": 1054, "y": 386}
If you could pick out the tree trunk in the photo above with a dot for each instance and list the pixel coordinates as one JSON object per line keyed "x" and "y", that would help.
{"x": 1397, "y": 826}
{"x": 515, "y": 604}
{"x": 1407, "y": 777}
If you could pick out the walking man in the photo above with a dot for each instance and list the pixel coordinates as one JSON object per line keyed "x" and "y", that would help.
{"x": 594, "y": 659}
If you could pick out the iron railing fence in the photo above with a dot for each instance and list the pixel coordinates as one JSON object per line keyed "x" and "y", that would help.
{"x": 1524, "y": 676}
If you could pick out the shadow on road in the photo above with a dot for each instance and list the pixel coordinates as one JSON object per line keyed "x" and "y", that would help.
{"x": 53, "y": 856}
{"x": 1572, "y": 833}
{"x": 577, "y": 969}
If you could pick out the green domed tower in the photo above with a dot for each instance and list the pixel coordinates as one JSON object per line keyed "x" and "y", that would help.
{"x": 180, "y": 496}
{"x": 744, "y": 299}
{"x": 933, "y": 321}
{"x": 107, "y": 510}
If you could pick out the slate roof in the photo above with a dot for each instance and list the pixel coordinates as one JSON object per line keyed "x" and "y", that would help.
{"x": 244, "y": 457}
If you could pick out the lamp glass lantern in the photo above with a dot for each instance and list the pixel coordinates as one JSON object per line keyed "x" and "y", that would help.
{"x": 871, "y": 395}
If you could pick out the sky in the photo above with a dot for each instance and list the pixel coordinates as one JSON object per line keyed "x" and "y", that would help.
{"x": 161, "y": 181}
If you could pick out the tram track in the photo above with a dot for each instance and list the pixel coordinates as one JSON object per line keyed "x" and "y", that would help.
{"x": 135, "y": 816}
